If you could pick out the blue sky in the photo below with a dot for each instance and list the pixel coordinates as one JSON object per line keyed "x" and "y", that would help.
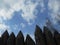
{"x": 24, "y": 15}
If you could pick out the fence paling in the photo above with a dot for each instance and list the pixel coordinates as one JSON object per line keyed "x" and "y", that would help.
{"x": 41, "y": 38}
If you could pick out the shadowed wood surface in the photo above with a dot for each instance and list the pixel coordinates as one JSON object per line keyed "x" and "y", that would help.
{"x": 45, "y": 37}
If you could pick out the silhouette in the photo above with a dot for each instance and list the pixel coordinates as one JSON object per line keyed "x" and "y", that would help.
{"x": 11, "y": 39}
{"x": 1, "y": 41}
{"x": 5, "y": 36}
{"x": 29, "y": 40}
{"x": 49, "y": 37}
{"x": 57, "y": 37}
{"x": 41, "y": 38}
{"x": 20, "y": 39}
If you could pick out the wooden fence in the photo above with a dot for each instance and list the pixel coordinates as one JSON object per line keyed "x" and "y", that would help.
{"x": 41, "y": 38}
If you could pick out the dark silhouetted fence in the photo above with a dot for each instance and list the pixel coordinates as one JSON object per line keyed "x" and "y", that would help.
{"x": 41, "y": 38}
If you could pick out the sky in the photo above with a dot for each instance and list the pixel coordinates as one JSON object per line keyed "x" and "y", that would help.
{"x": 24, "y": 15}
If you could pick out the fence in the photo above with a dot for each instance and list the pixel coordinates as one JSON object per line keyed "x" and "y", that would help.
{"x": 41, "y": 38}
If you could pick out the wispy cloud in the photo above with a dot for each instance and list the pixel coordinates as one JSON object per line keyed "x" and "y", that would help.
{"x": 28, "y": 12}
{"x": 0, "y": 33}
{"x": 54, "y": 8}
{"x": 15, "y": 27}
{"x": 22, "y": 25}
{"x": 8, "y": 7}
{"x": 5, "y": 15}
{"x": 3, "y": 28}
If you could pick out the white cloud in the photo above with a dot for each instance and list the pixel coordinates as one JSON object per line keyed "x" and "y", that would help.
{"x": 22, "y": 25}
{"x": 42, "y": 6}
{"x": 1, "y": 21}
{"x": 0, "y": 33}
{"x": 4, "y": 27}
{"x": 15, "y": 27}
{"x": 5, "y": 15}
{"x": 28, "y": 12}
{"x": 54, "y": 7}
{"x": 7, "y": 8}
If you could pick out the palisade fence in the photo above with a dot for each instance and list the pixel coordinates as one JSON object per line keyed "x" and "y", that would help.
{"x": 41, "y": 38}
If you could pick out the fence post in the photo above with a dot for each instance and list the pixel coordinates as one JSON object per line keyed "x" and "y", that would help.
{"x": 1, "y": 43}
{"x": 49, "y": 37}
{"x": 39, "y": 36}
{"x": 29, "y": 41}
{"x": 20, "y": 39}
{"x": 11, "y": 39}
{"x": 57, "y": 37}
{"x": 5, "y": 36}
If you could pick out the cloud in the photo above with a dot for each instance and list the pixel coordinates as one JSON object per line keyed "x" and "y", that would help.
{"x": 0, "y": 33}
{"x": 28, "y": 12}
{"x": 22, "y": 25}
{"x": 8, "y": 7}
{"x": 4, "y": 27}
{"x": 5, "y": 15}
{"x": 54, "y": 8}
{"x": 15, "y": 27}
{"x": 1, "y": 21}
{"x": 29, "y": 9}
